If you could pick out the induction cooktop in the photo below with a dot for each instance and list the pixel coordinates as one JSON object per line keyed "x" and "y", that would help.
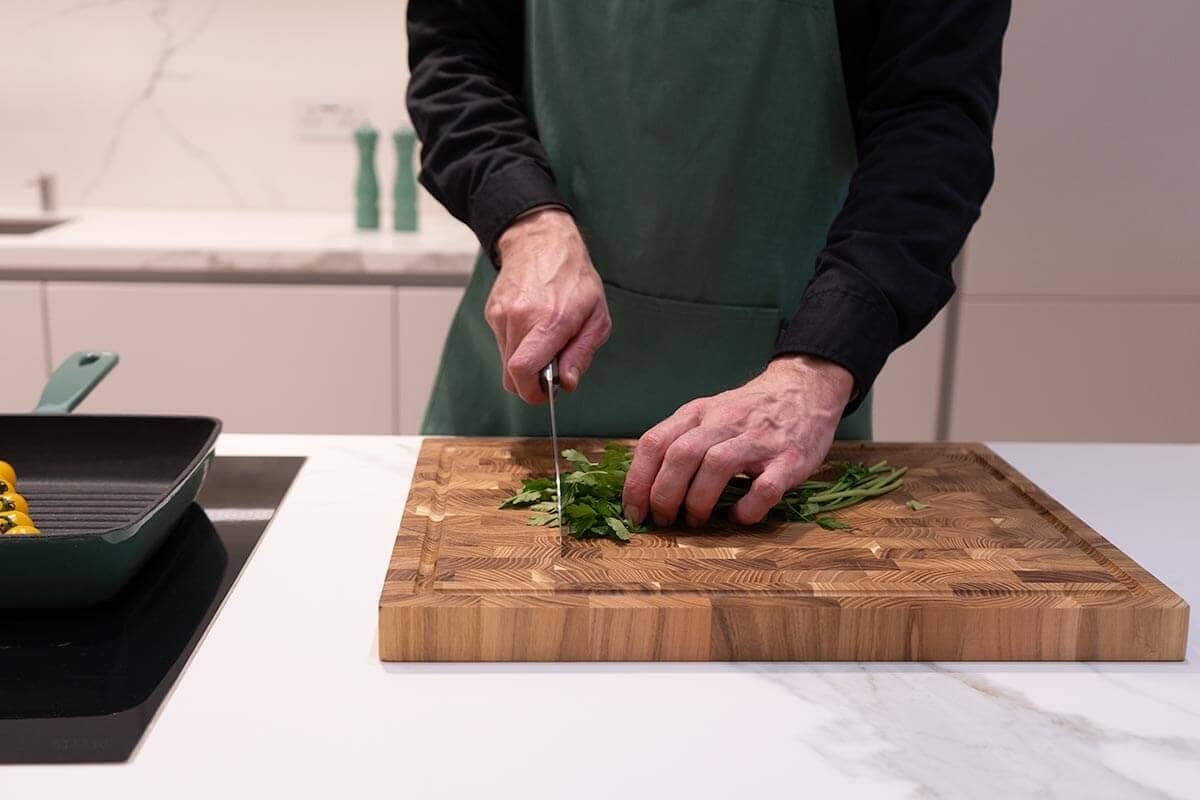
{"x": 83, "y": 686}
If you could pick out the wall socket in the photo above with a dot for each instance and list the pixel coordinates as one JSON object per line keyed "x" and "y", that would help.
{"x": 325, "y": 120}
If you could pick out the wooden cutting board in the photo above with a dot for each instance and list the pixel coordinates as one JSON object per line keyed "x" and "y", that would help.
{"x": 994, "y": 569}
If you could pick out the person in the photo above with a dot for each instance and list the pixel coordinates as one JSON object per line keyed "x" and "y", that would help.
{"x": 720, "y": 216}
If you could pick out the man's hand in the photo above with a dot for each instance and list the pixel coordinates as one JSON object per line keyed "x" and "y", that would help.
{"x": 547, "y": 301}
{"x": 776, "y": 428}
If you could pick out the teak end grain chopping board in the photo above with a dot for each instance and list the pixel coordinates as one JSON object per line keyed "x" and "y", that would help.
{"x": 993, "y": 569}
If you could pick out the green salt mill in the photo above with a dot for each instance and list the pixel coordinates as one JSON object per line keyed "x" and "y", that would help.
{"x": 366, "y": 187}
{"x": 404, "y": 192}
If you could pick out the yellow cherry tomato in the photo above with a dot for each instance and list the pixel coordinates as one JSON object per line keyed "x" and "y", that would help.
{"x": 13, "y": 502}
{"x": 22, "y": 530}
{"x": 14, "y": 519}
{"x": 6, "y": 487}
{"x": 8, "y": 473}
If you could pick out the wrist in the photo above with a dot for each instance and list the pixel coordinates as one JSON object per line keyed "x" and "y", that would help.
{"x": 542, "y": 222}
{"x": 804, "y": 367}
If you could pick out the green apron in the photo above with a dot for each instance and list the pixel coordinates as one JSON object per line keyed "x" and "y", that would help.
{"x": 705, "y": 148}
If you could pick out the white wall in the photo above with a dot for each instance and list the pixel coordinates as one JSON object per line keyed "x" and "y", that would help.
{"x": 1081, "y": 312}
{"x": 191, "y": 103}
{"x": 1092, "y": 228}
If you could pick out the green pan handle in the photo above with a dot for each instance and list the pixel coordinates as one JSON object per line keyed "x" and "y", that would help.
{"x": 74, "y": 380}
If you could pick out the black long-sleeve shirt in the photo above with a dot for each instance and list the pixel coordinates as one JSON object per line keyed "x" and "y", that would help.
{"x": 922, "y": 79}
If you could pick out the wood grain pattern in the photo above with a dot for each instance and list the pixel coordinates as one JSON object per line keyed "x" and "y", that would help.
{"x": 994, "y": 569}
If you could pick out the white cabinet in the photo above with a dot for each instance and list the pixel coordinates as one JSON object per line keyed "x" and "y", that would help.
{"x": 1096, "y": 168}
{"x": 423, "y": 316}
{"x": 274, "y": 359}
{"x": 1078, "y": 371}
{"x": 24, "y": 346}
{"x": 907, "y": 391}
{"x": 312, "y": 359}
{"x": 1081, "y": 318}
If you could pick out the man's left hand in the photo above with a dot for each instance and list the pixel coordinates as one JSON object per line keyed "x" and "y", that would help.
{"x": 777, "y": 428}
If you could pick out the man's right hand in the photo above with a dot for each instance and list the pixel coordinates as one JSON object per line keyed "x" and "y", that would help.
{"x": 547, "y": 301}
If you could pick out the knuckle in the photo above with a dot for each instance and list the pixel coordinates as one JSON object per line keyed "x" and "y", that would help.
{"x": 660, "y": 498}
{"x": 526, "y": 311}
{"x": 698, "y": 507}
{"x": 604, "y": 327}
{"x": 770, "y": 486}
{"x": 721, "y": 459}
{"x": 797, "y": 462}
{"x": 635, "y": 486}
{"x": 653, "y": 440}
{"x": 683, "y": 452}
{"x": 518, "y": 365}
{"x": 494, "y": 313}
{"x": 728, "y": 412}
{"x": 588, "y": 342}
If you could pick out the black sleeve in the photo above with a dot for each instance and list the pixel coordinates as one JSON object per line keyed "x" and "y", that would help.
{"x": 480, "y": 156}
{"x": 922, "y": 79}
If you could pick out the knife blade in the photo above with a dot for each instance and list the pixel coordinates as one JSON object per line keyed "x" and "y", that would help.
{"x": 550, "y": 377}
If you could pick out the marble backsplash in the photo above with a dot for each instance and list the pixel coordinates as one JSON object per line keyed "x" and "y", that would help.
{"x": 192, "y": 103}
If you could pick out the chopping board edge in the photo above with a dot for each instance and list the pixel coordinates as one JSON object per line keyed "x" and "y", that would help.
{"x": 419, "y": 624}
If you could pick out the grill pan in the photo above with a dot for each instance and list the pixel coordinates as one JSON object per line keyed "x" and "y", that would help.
{"x": 104, "y": 490}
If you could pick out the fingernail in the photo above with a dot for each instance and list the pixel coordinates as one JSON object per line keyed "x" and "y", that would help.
{"x": 634, "y": 513}
{"x": 573, "y": 376}
{"x": 692, "y": 522}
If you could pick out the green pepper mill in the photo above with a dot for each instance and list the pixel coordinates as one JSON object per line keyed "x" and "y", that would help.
{"x": 404, "y": 193}
{"x": 366, "y": 188}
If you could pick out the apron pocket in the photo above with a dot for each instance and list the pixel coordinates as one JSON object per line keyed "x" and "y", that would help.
{"x": 663, "y": 353}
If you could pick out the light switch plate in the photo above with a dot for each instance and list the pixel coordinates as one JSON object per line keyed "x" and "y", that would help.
{"x": 327, "y": 119}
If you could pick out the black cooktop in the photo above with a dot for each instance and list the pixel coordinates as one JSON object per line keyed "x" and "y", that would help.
{"x": 83, "y": 686}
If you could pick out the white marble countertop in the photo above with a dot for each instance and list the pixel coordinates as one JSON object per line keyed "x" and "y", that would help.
{"x": 287, "y": 246}
{"x": 286, "y": 696}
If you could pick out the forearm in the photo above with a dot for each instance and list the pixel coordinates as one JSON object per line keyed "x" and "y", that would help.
{"x": 480, "y": 154}
{"x": 923, "y": 119}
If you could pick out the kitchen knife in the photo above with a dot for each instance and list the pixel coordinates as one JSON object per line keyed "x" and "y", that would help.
{"x": 550, "y": 377}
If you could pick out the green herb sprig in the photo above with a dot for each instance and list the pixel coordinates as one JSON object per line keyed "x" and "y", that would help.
{"x": 814, "y": 498}
{"x": 592, "y": 495}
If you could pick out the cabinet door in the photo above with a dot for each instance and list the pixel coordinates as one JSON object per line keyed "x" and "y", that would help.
{"x": 24, "y": 346}
{"x": 423, "y": 316}
{"x": 907, "y": 391}
{"x": 1096, "y": 154}
{"x": 296, "y": 359}
{"x": 1078, "y": 371}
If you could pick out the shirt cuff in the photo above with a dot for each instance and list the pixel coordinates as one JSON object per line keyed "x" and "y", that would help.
{"x": 506, "y": 195}
{"x": 843, "y": 320}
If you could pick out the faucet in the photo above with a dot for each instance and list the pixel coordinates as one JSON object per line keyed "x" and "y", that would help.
{"x": 47, "y": 192}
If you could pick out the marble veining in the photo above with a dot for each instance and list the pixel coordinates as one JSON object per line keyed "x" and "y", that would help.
{"x": 170, "y": 45}
{"x": 289, "y": 675}
{"x": 194, "y": 103}
{"x": 958, "y": 734}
